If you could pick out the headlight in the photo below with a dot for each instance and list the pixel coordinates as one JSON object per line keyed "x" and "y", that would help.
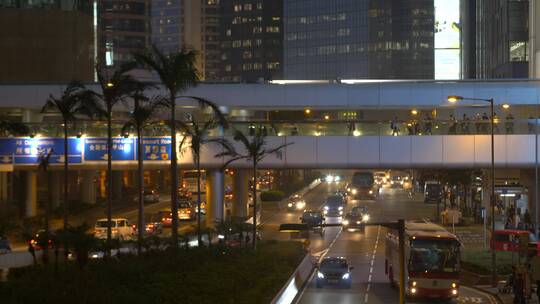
{"x": 413, "y": 290}
{"x": 320, "y": 275}
{"x": 354, "y": 191}
{"x": 454, "y": 292}
{"x": 325, "y": 211}
{"x": 370, "y": 191}
{"x": 340, "y": 208}
{"x": 358, "y": 222}
{"x": 341, "y": 212}
{"x": 300, "y": 205}
{"x": 95, "y": 256}
{"x": 290, "y": 204}
{"x": 345, "y": 222}
{"x": 346, "y": 276}
{"x": 391, "y": 182}
{"x": 337, "y": 179}
{"x": 413, "y": 283}
{"x": 365, "y": 217}
{"x": 454, "y": 285}
{"x": 326, "y": 208}
{"x": 349, "y": 189}
{"x": 329, "y": 178}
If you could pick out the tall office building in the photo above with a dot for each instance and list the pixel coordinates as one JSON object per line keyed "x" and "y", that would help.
{"x": 496, "y": 38}
{"x": 55, "y": 38}
{"x": 251, "y": 40}
{"x": 123, "y": 29}
{"x": 331, "y": 39}
{"x": 189, "y": 24}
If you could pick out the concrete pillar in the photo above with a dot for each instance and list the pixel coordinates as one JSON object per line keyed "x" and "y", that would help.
{"x": 30, "y": 200}
{"x": 527, "y": 179}
{"x": 534, "y": 39}
{"x": 4, "y": 194}
{"x": 215, "y": 192}
{"x": 87, "y": 190}
{"x": 56, "y": 188}
{"x": 118, "y": 184}
{"x": 240, "y": 192}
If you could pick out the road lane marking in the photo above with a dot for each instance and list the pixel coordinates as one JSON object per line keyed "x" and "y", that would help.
{"x": 366, "y": 296}
{"x": 323, "y": 254}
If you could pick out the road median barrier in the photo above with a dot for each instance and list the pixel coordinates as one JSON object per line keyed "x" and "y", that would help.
{"x": 296, "y": 282}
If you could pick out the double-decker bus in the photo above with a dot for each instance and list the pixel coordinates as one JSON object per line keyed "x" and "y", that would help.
{"x": 363, "y": 186}
{"x": 189, "y": 181}
{"x": 432, "y": 257}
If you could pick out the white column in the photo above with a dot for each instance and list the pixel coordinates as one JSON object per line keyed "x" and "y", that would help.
{"x": 240, "y": 192}
{"x": 215, "y": 190}
{"x": 30, "y": 199}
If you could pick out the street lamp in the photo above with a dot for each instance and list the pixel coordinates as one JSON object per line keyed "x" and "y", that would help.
{"x": 454, "y": 99}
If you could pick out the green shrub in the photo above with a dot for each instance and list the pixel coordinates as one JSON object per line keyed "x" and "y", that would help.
{"x": 272, "y": 195}
{"x": 199, "y": 275}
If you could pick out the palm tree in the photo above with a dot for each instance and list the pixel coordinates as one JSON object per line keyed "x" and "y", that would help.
{"x": 44, "y": 157}
{"x": 255, "y": 151}
{"x": 116, "y": 86}
{"x": 177, "y": 72}
{"x": 75, "y": 100}
{"x": 141, "y": 116}
{"x": 199, "y": 136}
{"x": 8, "y": 127}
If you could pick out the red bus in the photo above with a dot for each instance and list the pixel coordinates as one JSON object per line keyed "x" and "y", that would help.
{"x": 432, "y": 257}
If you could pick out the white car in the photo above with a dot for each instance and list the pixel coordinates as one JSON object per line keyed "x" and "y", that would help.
{"x": 121, "y": 229}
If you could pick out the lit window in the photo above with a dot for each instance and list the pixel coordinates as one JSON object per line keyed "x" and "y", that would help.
{"x": 259, "y": 6}
{"x": 236, "y": 43}
{"x": 272, "y": 29}
{"x": 238, "y": 7}
{"x": 228, "y": 32}
{"x": 248, "y": 6}
{"x": 272, "y": 65}
{"x": 228, "y": 68}
{"x": 246, "y": 43}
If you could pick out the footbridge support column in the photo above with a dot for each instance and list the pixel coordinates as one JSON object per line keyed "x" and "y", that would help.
{"x": 215, "y": 191}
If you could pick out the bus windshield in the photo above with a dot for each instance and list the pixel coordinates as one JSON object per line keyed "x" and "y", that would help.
{"x": 434, "y": 256}
{"x": 363, "y": 179}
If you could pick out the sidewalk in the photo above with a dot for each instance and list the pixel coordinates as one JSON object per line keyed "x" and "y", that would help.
{"x": 505, "y": 298}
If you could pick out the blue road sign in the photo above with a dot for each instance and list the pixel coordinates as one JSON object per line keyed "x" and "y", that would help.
{"x": 156, "y": 148}
{"x": 95, "y": 149}
{"x": 25, "y": 150}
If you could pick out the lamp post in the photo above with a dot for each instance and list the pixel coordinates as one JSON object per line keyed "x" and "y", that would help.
{"x": 454, "y": 99}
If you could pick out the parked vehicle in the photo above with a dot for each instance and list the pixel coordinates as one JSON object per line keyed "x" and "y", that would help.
{"x": 334, "y": 270}
{"x": 121, "y": 229}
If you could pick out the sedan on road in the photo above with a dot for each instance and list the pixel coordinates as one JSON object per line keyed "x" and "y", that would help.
{"x": 334, "y": 270}
{"x": 356, "y": 219}
{"x": 334, "y": 205}
{"x": 296, "y": 202}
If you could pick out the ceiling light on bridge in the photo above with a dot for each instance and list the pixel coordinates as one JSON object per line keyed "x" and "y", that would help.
{"x": 506, "y": 106}
{"x": 109, "y": 84}
{"x": 307, "y": 111}
{"x": 414, "y": 111}
{"x": 326, "y": 117}
{"x": 356, "y": 133}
